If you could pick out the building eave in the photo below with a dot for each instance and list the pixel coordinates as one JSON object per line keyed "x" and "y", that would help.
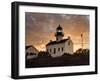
{"x": 56, "y": 42}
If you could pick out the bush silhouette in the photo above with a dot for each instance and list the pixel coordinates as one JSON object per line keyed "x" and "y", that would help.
{"x": 45, "y": 60}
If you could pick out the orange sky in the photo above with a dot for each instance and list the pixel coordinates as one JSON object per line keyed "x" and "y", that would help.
{"x": 40, "y": 28}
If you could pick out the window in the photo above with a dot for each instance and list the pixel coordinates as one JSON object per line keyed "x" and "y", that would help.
{"x": 27, "y": 53}
{"x": 50, "y": 50}
{"x": 58, "y": 49}
{"x": 54, "y": 50}
{"x": 57, "y": 39}
{"x": 47, "y": 50}
{"x": 31, "y": 53}
{"x": 34, "y": 54}
{"x": 62, "y": 49}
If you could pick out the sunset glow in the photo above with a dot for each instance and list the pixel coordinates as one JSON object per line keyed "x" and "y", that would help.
{"x": 40, "y": 28}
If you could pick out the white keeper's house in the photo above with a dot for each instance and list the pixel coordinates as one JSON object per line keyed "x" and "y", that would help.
{"x": 60, "y": 46}
{"x": 31, "y": 52}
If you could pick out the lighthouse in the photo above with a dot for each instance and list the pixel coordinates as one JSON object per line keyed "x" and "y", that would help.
{"x": 59, "y": 33}
{"x": 60, "y": 46}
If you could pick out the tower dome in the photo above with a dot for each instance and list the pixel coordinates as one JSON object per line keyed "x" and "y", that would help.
{"x": 59, "y": 28}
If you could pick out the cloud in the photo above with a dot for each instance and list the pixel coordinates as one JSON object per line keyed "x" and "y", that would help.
{"x": 40, "y": 27}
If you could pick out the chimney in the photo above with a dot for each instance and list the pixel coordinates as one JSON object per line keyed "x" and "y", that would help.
{"x": 50, "y": 40}
{"x": 69, "y": 37}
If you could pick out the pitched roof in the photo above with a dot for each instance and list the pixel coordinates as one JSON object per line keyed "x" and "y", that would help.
{"x": 30, "y": 46}
{"x": 56, "y": 42}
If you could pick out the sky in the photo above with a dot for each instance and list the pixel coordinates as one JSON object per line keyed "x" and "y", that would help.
{"x": 41, "y": 27}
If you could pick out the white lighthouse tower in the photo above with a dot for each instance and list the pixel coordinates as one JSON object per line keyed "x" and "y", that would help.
{"x": 59, "y": 33}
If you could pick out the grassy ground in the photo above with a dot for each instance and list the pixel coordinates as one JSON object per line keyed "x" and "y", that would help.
{"x": 65, "y": 60}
